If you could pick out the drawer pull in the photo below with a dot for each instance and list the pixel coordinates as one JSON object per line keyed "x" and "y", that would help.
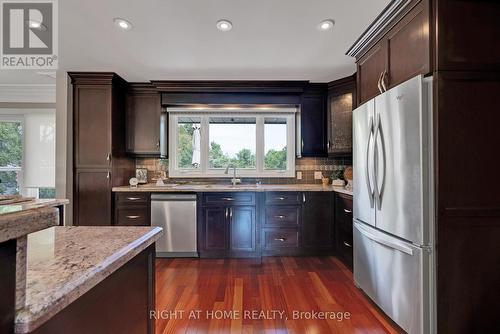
{"x": 133, "y": 198}
{"x": 347, "y": 244}
{"x": 280, "y": 198}
{"x": 347, "y": 211}
{"x": 227, "y": 198}
{"x": 280, "y": 239}
{"x": 133, "y": 217}
{"x": 280, "y": 217}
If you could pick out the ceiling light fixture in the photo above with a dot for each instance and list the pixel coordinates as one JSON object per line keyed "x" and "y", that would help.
{"x": 122, "y": 23}
{"x": 326, "y": 24}
{"x": 224, "y": 25}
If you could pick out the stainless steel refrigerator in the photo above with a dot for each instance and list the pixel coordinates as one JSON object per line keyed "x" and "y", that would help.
{"x": 393, "y": 204}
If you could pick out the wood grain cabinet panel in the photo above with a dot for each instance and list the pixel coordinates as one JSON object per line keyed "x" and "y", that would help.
{"x": 242, "y": 229}
{"x": 313, "y": 121}
{"x": 317, "y": 221}
{"x": 408, "y": 47}
{"x": 93, "y": 199}
{"x": 143, "y": 123}
{"x": 92, "y": 117}
{"x": 215, "y": 229}
{"x": 370, "y": 67}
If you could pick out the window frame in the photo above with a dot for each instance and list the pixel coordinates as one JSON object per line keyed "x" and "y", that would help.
{"x": 205, "y": 114}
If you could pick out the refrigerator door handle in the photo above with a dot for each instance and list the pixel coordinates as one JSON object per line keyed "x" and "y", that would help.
{"x": 383, "y": 241}
{"x": 379, "y": 192}
{"x": 368, "y": 185}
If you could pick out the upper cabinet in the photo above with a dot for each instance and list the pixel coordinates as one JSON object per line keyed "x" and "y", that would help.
{"x": 143, "y": 109}
{"x": 314, "y": 121}
{"x": 341, "y": 102}
{"x": 401, "y": 50}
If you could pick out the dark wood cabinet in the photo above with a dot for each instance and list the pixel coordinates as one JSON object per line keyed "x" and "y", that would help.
{"x": 341, "y": 102}
{"x": 132, "y": 209}
{"x": 317, "y": 228}
{"x": 99, "y": 145}
{"x": 92, "y": 197}
{"x": 313, "y": 121}
{"x": 228, "y": 225}
{"x": 402, "y": 52}
{"x": 143, "y": 109}
{"x": 242, "y": 230}
{"x": 343, "y": 228}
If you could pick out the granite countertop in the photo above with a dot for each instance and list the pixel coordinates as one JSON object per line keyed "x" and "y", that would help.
{"x": 230, "y": 188}
{"x": 20, "y": 219}
{"x": 65, "y": 262}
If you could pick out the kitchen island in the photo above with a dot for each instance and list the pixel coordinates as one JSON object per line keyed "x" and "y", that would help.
{"x": 89, "y": 280}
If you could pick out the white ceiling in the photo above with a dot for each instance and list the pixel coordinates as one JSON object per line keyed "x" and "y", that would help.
{"x": 178, "y": 40}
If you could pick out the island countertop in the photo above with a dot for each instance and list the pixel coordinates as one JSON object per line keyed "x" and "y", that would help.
{"x": 229, "y": 188}
{"x": 65, "y": 262}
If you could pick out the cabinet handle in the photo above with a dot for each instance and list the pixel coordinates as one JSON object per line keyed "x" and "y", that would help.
{"x": 227, "y": 212}
{"x": 133, "y": 217}
{"x": 303, "y": 197}
{"x": 280, "y": 217}
{"x": 347, "y": 211}
{"x": 158, "y": 145}
{"x": 227, "y": 198}
{"x": 347, "y": 244}
{"x": 280, "y": 198}
{"x": 328, "y": 144}
{"x": 133, "y": 198}
{"x": 108, "y": 156}
{"x": 230, "y": 214}
{"x": 108, "y": 175}
{"x": 280, "y": 239}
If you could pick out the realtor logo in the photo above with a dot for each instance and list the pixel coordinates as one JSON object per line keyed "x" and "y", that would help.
{"x": 28, "y": 34}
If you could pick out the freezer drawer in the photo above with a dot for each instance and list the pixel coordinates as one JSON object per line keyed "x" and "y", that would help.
{"x": 395, "y": 275}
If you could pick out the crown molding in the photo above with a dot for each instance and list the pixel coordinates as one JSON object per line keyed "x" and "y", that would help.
{"x": 384, "y": 19}
{"x": 21, "y": 93}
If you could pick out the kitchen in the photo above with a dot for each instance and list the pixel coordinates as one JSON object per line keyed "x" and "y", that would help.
{"x": 203, "y": 185}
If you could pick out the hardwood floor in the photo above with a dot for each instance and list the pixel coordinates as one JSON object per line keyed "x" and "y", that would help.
{"x": 201, "y": 290}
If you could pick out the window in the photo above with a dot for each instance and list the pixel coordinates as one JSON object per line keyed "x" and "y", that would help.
{"x": 258, "y": 142}
{"x": 11, "y": 156}
{"x": 27, "y": 152}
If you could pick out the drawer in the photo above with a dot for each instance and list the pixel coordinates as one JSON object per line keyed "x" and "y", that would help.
{"x": 277, "y": 238}
{"x": 283, "y": 197}
{"x": 343, "y": 212}
{"x": 131, "y": 198}
{"x": 232, "y": 198}
{"x": 282, "y": 215}
{"x": 132, "y": 216}
{"x": 344, "y": 246}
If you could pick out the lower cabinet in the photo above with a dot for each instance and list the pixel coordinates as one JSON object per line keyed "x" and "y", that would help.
{"x": 343, "y": 227}
{"x": 132, "y": 209}
{"x": 228, "y": 225}
{"x": 93, "y": 199}
{"x": 317, "y": 228}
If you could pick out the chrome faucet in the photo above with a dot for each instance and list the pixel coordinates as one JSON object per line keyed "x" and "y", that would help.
{"x": 234, "y": 180}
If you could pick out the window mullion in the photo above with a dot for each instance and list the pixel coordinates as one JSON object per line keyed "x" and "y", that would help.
{"x": 259, "y": 150}
{"x": 205, "y": 147}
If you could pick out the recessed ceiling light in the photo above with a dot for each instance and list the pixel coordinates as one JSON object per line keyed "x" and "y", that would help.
{"x": 122, "y": 23}
{"x": 224, "y": 25}
{"x": 326, "y": 24}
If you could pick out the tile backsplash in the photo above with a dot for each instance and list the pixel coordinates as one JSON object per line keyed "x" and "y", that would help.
{"x": 305, "y": 165}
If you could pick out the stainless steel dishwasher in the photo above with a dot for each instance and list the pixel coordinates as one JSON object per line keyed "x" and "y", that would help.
{"x": 176, "y": 214}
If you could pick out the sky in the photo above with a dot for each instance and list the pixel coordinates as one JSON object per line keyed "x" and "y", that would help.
{"x": 234, "y": 137}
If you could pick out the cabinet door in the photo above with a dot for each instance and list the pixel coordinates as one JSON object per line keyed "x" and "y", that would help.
{"x": 408, "y": 46}
{"x": 242, "y": 229}
{"x": 143, "y": 124}
{"x": 317, "y": 220}
{"x": 370, "y": 67}
{"x": 313, "y": 126}
{"x": 215, "y": 229}
{"x": 92, "y": 126}
{"x": 92, "y": 198}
